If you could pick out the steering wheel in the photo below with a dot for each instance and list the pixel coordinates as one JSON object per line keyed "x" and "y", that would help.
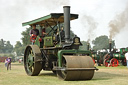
{"x": 32, "y": 38}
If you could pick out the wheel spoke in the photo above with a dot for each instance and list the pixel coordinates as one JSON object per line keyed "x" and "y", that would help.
{"x": 114, "y": 62}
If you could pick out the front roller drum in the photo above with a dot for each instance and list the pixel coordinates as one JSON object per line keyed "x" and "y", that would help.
{"x": 76, "y": 62}
{"x": 32, "y": 58}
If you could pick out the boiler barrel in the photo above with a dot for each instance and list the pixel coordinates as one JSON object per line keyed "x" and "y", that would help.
{"x": 118, "y": 56}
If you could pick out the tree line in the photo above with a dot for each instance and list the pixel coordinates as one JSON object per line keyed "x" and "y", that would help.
{"x": 5, "y": 46}
{"x": 99, "y": 43}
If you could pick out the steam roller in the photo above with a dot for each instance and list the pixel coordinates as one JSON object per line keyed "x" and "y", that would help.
{"x": 76, "y": 68}
{"x": 57, "y": 51}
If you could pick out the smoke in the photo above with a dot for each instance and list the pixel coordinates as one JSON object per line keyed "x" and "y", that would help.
{"x": 89, "y": 23}
{"x": 54, "y": 4}
{"x": 17, "y": 10}
{"x": 47, "y": 4}
{"x": 14, "y": 12}
{"x": 118, "y": 23}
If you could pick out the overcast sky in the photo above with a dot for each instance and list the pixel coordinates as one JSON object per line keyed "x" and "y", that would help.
{"x": 96, "y": 17}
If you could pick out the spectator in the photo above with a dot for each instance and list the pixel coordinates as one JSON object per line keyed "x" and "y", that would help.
{"x": 5, "y": 62}
{"x": 9, "y": 63}
{"x": 126, "y": 56}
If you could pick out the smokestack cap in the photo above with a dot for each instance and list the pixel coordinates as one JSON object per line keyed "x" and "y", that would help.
{"x": 66, "y": 6}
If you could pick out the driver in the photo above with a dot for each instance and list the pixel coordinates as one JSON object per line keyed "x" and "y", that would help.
{"x": 34, "y": 33}
{"x": 43, "y": 35}
{"x": 44, "y": 31}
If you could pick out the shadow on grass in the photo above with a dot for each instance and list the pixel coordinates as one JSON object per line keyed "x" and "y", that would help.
{"x": 47, "y": 74}
{"x": 97, "y": 76}
{"x": 17, "y": 64}
{"x": 107, "y": 76}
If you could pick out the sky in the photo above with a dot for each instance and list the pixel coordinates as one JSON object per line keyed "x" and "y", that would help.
{"x": 96, "y": 18}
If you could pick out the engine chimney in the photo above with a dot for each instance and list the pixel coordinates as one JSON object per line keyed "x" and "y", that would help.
{"x": 67, "y": 23}
{"x": 110, "y": 45}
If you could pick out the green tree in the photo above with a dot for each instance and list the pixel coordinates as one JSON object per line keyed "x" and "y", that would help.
{"x": 8, "y": 47}
{"x": 19, "y": 48}
{"x": 2, "y": 44}
{"x": 71, "y": 34}
{"x": 26, "y": 36}
{"x": 84, "y": 45}
{"x": 102, "y": 42}
{"x": 5, "y": 46}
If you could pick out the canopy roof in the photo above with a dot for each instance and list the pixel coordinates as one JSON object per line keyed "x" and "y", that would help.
{"x": 52, "y": 19}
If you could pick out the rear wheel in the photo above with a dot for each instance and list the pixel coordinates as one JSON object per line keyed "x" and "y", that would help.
{"x": 114, "y": 62}
{"x": 32, "y": 67}
{"x": 124, "y": 62}
{"x": 106, "y": 63}
{"x": 106, "y": 60}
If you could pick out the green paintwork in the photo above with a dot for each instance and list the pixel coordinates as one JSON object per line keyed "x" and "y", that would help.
{"x": 123, "y": 50}
{"x": 95, "y": 56}
{"x": 30, "y": 62}
{"x": 61, "y": 52}
{"x": 121, "y": 54}
{"x": 126, "y": 49}
{"x": 52, "y": 18}
{"x": 58, "y": 45}
{"x": 48, "y": 41}
{"x": 37, "y": 41}
{"x": 118, "y": 56}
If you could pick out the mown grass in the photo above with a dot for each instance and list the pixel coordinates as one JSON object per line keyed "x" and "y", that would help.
{"x": 105, "y": 76}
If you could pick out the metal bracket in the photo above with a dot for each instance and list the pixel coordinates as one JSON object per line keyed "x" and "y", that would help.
{"x": 74, "y": 69}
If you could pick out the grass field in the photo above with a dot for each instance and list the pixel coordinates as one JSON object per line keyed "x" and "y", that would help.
{"x": 104, "y": 76}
